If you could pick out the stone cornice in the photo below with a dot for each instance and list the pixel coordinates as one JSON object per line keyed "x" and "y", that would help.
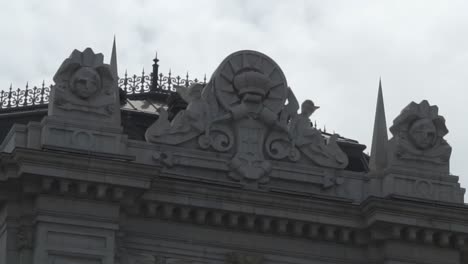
{"x": 285, "y": 226}
{"x": 83, "y": 167}
{"x": 170, "y": 194}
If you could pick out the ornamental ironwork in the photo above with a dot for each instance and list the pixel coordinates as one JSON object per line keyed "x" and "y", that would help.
{"x": 23, "y": 98}
{"x": 147, "y": 86}
{"x": 135, "y": 87}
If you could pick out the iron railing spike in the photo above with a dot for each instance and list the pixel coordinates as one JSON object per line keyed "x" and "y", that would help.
{"x": 160, "y": 85}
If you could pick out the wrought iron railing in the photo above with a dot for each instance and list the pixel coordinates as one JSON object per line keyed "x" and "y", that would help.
{"x": 27, "y": 97}
{"x": 135, "y": 87}
{"x": 155, "y": 86}
{"x": 146, "y": 86}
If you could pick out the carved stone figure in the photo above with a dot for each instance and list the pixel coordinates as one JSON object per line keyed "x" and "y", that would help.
{"x": 85, "y": 82}
{"x": 311, "y": 142}
{"x": 243, "y": 111}
{"x": 422, "y": 134}
{"x": 289, "y": 110}
{"x": 85, "y": 89}
{"x": 186, "y": 125}
{"x": 418, "y": 137}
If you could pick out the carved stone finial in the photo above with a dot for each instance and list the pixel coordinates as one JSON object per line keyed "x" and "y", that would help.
{"x": 85, "y": 89}
{"x": 418, "y": 139}
{"x": 378, "y": 159}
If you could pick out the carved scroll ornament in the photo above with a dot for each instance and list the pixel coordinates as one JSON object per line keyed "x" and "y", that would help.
{"x": 243, "y": 111}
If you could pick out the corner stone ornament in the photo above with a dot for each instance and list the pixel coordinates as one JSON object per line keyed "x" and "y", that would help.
{"x": 242, "y": 111}
{"x": 418, "y": 138}
{"x": 84, "y": 108}
{"x": 84, "y": 85}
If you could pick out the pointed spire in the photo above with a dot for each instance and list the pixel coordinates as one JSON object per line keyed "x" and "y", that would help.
{"x": 378, "y": 159}
{"x": 113, "y": 61}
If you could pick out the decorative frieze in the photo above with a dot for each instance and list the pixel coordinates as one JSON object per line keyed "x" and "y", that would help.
{"x": 301, "y": 229}
{"x": 97, "y": 191}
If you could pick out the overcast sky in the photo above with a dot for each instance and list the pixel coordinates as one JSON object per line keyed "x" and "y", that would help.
{"x": 332, "y": 52}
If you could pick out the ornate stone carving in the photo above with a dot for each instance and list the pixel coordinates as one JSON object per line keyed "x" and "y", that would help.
{"x": 243, "y": 258}
{"x": 24, "y": 237}
{"x": 84, "y": 88}
{"x": 165, "y": 158}
{"x": 418, "y": 136}
{"x": 311, "y": 142}
{"x": 187, "y": 124}
{"x": 243, "y": 111}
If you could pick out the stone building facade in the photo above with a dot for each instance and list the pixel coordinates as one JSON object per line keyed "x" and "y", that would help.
{"x": 240, "y": 177}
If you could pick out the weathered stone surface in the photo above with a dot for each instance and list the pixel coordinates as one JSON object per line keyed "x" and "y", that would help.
{"x": 242, "y": 111}
{"x": 84, "y": 107}
{"x": 418, "y": 142}
{"x": 418, "y": 156}
{"x": 85, "y": 90}
{"x": 238, "y": 177}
